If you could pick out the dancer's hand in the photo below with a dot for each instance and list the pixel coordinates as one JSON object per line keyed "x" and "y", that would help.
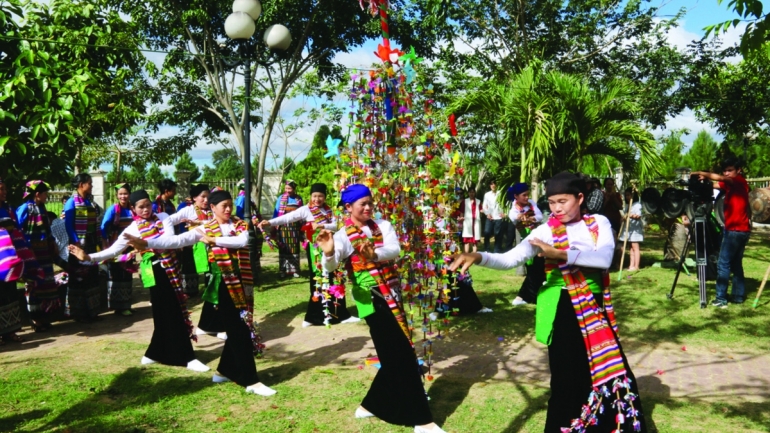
{"x": 548, "y": 251}
{"x": 139, "y": 244}
{"x": 264, "y": 223}
{"x": 325, "y": 241}
{"x": 367, "y": 251}
{"x": 208, "y": 240}
{"x": 79, "y": 253}
{"x": 464, "y": 261}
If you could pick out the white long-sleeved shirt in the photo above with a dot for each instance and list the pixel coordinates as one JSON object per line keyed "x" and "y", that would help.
{"x": 167, "y": 238}
{"x": 491, "y": 207}
{"x": 513, "y": 214}
{"x": 186, "y": 239}
{"x": 582, "y": 250}
{"x": 304, "y": 214}
{"x": 390, "y": 250}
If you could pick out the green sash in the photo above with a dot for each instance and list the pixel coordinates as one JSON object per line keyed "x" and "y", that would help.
{"x": 211, "y": 292}
{"x": 362, "y": 292}
{"x": 201, "y": 257}
{"x": 145, "y": 270}
{"x": 548, "y": 300}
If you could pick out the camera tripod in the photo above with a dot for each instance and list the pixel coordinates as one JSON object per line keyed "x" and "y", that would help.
{"x": 698, "y": 232}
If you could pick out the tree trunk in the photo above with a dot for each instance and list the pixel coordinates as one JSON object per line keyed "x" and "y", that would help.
{"x": 274, "y": 110}
{"x": 118, "y": 167}
{"x": 523, "y": 163}
{"x": 534, "y": 187}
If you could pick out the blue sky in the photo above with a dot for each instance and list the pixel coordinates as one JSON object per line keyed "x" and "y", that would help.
{"x": 699, "y": 14}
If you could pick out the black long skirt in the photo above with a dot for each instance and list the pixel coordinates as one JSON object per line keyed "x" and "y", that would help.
{"x": 211, "y": 319}
{"x": 10, "y": 308}
{"x": 396, "y": 395}
{"x": 533, "y": 281}
{"x": 170, "y": 344}
{"x": 338, "y": 308}
{"x": 83, "y": 294}
{"x": 571, "y": 376}
{"x": 237, "y": 361}
{"x": 464, "y": 298}
{"x": 119, "y": 288}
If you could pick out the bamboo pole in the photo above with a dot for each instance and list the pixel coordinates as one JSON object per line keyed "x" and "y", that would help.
{"x": 761, "y": 287}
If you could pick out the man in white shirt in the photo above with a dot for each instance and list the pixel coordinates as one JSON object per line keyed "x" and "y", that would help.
{"x": 495, "y": 215}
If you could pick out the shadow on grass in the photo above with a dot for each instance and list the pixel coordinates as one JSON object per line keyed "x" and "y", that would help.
{"x": 303, "y": 361}
{"x": 133, "y": 388}
{"x": 12, "y": 422}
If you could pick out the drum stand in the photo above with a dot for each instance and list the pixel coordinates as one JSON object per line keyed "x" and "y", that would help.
{"x": 698, "y": 232}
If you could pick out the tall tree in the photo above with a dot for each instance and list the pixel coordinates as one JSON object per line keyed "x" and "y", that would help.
{"x": 225, "y": 165}
{"x": 671, "y": 148}
{"x": 701, "y": 154}
{"x": 757, "y": 28}
{"x": 154, "y": 173}
{"x": 205, "y": 96}
{"x": 315, "y": 168}
{"x": 72, "y": 74}
{"x": 185, "y": 162}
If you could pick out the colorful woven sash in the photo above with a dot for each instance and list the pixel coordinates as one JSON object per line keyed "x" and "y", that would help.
{"x": 321, "y": 214}
{"x": 524, "y": 227}
{"x": 119, "y": 223}
{"x": 383, "y": 273}
{"x": 240, "y": 288}
{"x": 203, "y": 214}
{"x": 85, "y": 219}
{"x": 11, "y": 265}
{"x": 151, "y": 229}
{"x": 604, "y": 358}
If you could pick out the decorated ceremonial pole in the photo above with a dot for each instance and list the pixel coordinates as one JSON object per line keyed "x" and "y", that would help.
{"x": 761, "y": 287}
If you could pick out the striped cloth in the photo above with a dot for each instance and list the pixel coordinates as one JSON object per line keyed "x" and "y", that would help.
{"x": 85, "y": 218}
{"x": 386, "y": 277}
{"x": 240, "y": 287}
{"x": 604, "y": 357}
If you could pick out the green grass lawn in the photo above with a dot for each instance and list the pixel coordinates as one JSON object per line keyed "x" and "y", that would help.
{"x": 96, "y": 384}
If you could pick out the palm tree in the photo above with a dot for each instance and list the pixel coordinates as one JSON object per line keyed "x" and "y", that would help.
{"x": 520, "y": 111}
{"x": 596, "y": 121}
{"x": 554, "y": 121}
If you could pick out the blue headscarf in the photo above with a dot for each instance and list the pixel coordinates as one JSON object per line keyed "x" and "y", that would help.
{"x": 517, "y": 189}
{"x": 355, "y": 192}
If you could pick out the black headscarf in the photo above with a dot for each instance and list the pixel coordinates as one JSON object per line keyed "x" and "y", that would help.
{"x": 219, "y": 196}
{"x": 566, "y": 183}
{"x": 318, "y": 187}
{"x": 138, "y": 195}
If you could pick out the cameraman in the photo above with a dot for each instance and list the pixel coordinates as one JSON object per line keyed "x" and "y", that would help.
{"x": 737, "y": 229}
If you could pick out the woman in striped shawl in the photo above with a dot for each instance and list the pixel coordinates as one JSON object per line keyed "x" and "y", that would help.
{"x": 159, "y": 270}
{"x": 368, "y": 249}
{"x": 317, "y": 215}
{"x": 592, "y": 386}
{"x": 42, "y": 294}
{"x": 289, "y": 234}
{"x": 231, "y": 289}
{"x": 10, "y": 310}
{"x": 83, "y": 296}
{"x": 116, "y": 219}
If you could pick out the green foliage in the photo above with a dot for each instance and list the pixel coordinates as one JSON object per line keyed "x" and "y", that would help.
{"x": 138, "y": 174}
{"x": 757, "y": 30}
{"x": 185, "y": 162}
{"x": 552, "y": 121}
{"x": 754, "y": 153}
{"x": 154, "y": 173}
{"x": 226, "y": 165}
{"x": 733, "y": 97}
{"x": 700, "y": 156}
{"x": 61, "y": 92}
{"x": 671, "y": 157}
{"x": 315, "y": 168}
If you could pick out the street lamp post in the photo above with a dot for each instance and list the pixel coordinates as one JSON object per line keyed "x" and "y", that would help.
{"x": 240, "y": 25}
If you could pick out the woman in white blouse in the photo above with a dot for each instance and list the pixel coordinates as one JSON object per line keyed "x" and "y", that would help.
{"x": 160, "y": 273}
{"x": 317, "y": 215}
{"x": 230, "y": 288}
{"x": 368, "y": 249}
{"x": 574, "y": 314}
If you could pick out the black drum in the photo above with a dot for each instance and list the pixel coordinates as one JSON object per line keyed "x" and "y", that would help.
{"x": 650, "y": 200}
{"x": 673, "y": 202}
